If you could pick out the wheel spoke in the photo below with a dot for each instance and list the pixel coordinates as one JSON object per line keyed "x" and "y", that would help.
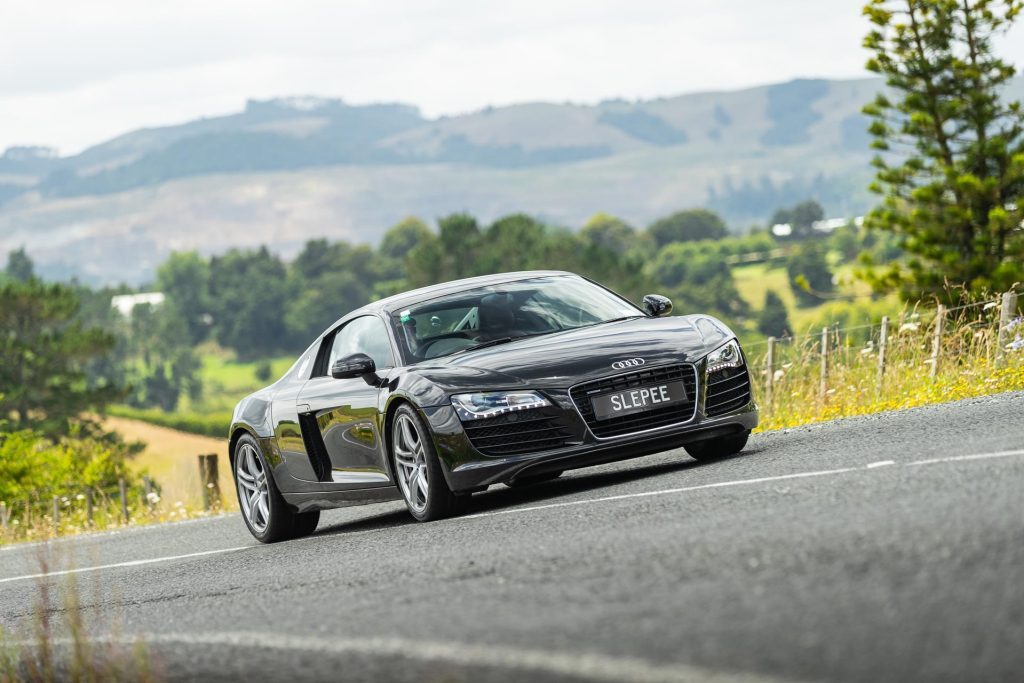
{"x": 250, "y": 461}
{"x": 410, "y": 440}
{"x": 404, "y": 457}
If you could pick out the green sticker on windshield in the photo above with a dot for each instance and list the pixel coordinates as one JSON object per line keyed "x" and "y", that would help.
{"x": 404, "y": 316}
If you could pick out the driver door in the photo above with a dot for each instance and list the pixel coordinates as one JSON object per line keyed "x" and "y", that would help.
{"x": 341, "y": 414}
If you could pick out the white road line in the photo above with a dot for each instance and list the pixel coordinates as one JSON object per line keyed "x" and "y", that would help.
{"x": 966, "y": 458}
{"x": 588, "y": 501}
{"x": 131, "y": 563}
{"x": 583, "y": 666}
{"x": 100, "y": 535}
{"x": 743, "y": 482}
{"x": 665, "y": 492}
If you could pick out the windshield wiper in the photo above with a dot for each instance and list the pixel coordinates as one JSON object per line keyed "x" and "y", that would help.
{"x": 490, "y": 342}
{"x": 501, "y": 340}
{"x": 619, "y": 320}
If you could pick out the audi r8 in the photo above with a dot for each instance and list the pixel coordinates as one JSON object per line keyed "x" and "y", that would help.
{"x": 436, "y": 394}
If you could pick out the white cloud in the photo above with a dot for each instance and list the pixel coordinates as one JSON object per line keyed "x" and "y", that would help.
{"x": 75, "y": 73}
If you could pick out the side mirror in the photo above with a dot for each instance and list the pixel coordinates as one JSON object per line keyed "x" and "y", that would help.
{"x": 356, "y": 365}
{"x": 657, "y": 305}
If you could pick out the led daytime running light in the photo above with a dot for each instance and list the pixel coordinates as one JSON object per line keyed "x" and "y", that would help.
{"x": 492, "y": 404}
{"x": 726, "y": 356}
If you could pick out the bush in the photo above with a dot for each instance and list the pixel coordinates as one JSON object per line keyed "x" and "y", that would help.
{"x": 809, "y": 272}
{"x": 773, "y": 320}
{"x": 35, "y": 468}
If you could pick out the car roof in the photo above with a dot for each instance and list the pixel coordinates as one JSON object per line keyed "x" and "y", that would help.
{"x": 405, "y": 299}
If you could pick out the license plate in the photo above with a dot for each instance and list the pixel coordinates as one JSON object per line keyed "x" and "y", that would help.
{"x": 637, "y": 400}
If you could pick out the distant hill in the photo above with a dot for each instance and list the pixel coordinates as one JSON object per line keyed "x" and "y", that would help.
{"x": 286, "y": 170}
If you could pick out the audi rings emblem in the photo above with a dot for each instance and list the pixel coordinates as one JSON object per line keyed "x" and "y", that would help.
{"x": 628, "y": 363}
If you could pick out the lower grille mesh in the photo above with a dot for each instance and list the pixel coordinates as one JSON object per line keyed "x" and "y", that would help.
{"x": 727, "y": 390}
{"x": 637, "y": 422}
{"x": 517, "y": 432}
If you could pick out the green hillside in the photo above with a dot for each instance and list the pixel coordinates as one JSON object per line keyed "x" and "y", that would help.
{"x": 284, "y": 171}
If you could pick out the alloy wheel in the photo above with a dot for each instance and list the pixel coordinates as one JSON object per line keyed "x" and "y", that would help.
{"x": 253, "y": 491}
{"x": 411, "y": 463}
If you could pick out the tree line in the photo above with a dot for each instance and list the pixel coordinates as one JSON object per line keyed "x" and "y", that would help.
{"x": 260, "y": 305}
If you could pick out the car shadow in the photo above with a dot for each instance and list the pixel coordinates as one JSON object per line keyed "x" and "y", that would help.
{"x": 502, "y": 497}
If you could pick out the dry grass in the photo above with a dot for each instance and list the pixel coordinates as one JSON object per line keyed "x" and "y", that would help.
{"x": 966, "y": 368}
{"x": 170, "y": 457}
{"x": 62, "y": 650}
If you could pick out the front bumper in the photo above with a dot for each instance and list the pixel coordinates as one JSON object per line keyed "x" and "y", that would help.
{"x": 467, "y": 469}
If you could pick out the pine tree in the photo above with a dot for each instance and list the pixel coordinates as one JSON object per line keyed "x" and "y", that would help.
{"x": 950, "y": 168}
{"x": 43, "y": 355}
{"x": 774, "y": 319}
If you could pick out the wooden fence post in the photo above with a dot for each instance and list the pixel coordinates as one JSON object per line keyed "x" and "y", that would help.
{"x": 122, "y": 487}
{"x": 89, "y": 513}
{"x": 824, "y": 363}
{"x": 940, "y": 323}
{"x": 56, "y": 514}
{"x": 210, "y": 480}
{"x": 769, "y": 378}
{"x": 883, "y": 340}
{"x": 1005, "y": 316}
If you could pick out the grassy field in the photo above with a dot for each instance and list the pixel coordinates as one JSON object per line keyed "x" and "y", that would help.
{"x": 226, "y": 380}
{"x": 755, "y": 280}
{"x": 170, "y": 457}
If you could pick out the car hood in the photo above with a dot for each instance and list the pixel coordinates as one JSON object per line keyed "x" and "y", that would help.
{"x": 562, "y": 359}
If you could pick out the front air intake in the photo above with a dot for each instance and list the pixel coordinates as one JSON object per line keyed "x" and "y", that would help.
{"x": 526, "y": 431}
{"x": 727, "y": 390}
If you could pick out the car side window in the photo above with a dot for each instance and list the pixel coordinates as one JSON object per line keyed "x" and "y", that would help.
{"x": 363, "y": 335}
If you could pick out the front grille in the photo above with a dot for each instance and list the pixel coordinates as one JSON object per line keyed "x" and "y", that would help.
{"x": 637, "y": 422}
{"x": 727, "y": 390}
{"x": 513, "y": 433}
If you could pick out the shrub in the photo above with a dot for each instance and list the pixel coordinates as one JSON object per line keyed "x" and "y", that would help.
{"x": 36, "y": 468}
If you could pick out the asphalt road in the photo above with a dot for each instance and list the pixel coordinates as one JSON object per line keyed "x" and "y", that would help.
{"x": 886, "y": 548}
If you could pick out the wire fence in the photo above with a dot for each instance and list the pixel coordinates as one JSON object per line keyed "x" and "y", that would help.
{"x": 905, "y": 360}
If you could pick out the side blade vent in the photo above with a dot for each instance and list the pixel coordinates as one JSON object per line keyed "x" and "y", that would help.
{"x": 315, "y": 448}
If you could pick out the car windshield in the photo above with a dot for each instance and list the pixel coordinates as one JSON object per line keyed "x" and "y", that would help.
{"x": 499, "y": 313}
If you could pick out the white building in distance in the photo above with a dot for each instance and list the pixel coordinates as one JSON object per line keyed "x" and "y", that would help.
{"x": 126, "y": 303}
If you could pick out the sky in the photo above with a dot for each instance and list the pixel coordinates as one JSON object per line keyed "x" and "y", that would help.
{"x": 74, "y": 73}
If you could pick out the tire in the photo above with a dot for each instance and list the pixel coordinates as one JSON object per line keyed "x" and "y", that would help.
{"x": 523, "y": 482}
{"x": 418, "y": 469}
{"x": 721, "y": 447}
{"x": 271, "y": 519}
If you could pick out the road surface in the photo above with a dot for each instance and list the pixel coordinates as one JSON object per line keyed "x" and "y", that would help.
{"x": 888, "y": 547}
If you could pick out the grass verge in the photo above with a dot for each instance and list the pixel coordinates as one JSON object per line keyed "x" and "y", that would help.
{"x": 920, "y": 368}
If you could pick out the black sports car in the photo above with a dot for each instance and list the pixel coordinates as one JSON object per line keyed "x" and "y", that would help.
{"x": 436, "y": 394}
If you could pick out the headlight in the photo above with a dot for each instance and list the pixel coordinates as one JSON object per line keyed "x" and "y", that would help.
{"x": 725, "y": 356}
{"x": 494, "y": 403}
